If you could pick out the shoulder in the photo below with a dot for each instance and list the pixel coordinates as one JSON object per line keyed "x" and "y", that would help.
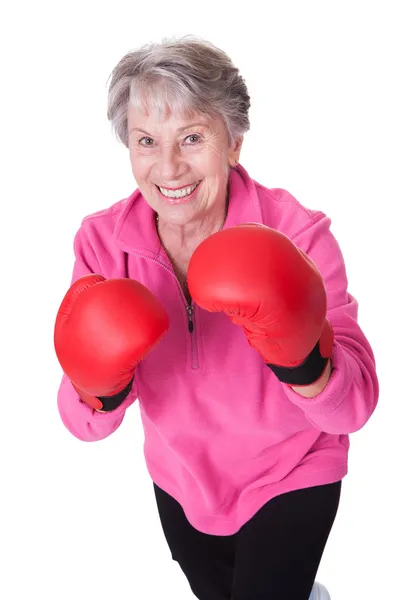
{"x": 103, "y": 223}
{"x": 283, "y": 211}
{"x": 105, "y": 216}
{"x": 95, "y": 239}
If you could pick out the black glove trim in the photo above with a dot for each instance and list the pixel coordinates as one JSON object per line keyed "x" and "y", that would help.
{"x": 307, "y": 373}
{"x": 112, "y": 402}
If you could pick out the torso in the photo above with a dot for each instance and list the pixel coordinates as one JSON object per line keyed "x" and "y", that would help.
{"x": 182, "y": 278}
{"x": 180, "y": 264}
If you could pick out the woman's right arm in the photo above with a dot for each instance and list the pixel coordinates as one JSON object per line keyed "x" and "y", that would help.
{"x": 84, "y": 422}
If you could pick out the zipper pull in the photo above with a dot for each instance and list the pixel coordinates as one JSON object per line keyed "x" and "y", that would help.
{"x": 190, "y": 311}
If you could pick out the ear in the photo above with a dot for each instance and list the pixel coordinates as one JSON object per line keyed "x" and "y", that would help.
{"x": 234, "y": 151}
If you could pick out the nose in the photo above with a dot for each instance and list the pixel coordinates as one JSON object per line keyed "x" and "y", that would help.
{"x": 170, "y": 163}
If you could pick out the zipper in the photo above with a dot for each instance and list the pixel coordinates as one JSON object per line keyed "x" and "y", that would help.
{"x": 189, "y": 311}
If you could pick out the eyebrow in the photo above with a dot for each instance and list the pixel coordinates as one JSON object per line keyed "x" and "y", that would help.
{"x": 179, "y": 130}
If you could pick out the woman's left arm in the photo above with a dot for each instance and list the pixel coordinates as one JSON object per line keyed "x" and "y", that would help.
{"x": 346, "y": 395}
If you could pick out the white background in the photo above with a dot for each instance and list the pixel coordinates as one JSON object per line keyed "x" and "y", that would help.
{"x": 78, "y": 520}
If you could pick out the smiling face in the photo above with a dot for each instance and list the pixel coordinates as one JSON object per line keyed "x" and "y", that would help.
{"x": 181, "y": 163}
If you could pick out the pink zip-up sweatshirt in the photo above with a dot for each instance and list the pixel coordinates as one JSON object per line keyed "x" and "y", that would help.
{"x": 222, "y": 434}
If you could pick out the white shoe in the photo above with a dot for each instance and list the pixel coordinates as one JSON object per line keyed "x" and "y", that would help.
{"x": 319, "y": 592}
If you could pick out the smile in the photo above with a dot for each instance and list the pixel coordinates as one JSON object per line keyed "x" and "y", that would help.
{"x": 179, "y": 193}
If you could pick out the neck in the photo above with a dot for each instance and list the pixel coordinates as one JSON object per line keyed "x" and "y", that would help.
{"x": 191, "y": 234}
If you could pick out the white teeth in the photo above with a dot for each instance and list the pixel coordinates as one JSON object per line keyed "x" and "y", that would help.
{"x": 178, "y": 193}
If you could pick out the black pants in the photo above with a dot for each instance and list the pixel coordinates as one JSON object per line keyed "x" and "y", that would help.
{"x": 274, "y": 556}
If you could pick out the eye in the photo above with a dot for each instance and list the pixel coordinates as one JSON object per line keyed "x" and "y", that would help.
{"x": 194, "y": 138}
{"x": 146, "y": 141}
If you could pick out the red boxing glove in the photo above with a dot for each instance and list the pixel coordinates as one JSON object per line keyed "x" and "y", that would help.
{"x": 263, "y": 282}
{"x": 103, "y": 329}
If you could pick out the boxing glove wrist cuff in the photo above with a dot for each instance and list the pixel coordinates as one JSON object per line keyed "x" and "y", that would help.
{"x": 307, "y": 373}
{"x": 112, "y": 402}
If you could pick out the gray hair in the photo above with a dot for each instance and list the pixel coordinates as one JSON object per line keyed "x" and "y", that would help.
{"x": 184, "y": 76}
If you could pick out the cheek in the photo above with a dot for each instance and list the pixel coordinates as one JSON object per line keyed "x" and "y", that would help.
{"x": 213, "y": 163}
{"x": 141, "y": 166}
{"x": 213, "y": 186}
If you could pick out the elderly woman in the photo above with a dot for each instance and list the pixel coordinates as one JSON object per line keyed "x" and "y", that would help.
{"x": 221, "y": 306}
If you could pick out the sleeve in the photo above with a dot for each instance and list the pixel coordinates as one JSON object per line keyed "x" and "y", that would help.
{"x": 351, "y": 395}
{"x": 81, "y": 420}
